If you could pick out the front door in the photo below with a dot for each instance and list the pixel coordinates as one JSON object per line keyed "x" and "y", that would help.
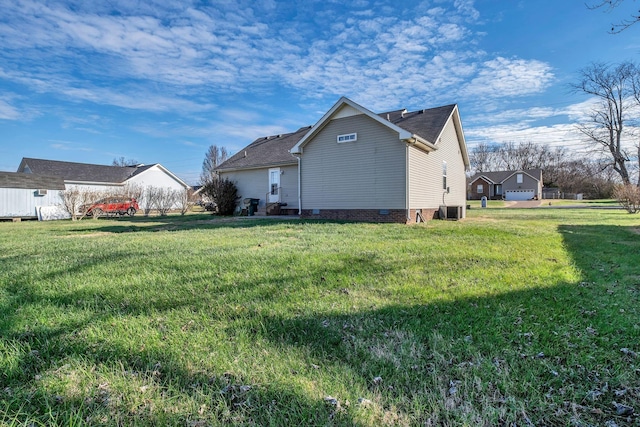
{"x": 274, "y": 185}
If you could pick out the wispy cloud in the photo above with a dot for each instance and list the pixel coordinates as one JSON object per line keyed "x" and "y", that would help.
{"x": 8, "y": 111}
{"x": 135, "y": 57}
{"x": 502, "y": 77}
{"x": 67, "y": 146}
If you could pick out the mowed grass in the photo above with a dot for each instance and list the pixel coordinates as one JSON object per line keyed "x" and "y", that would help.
{"x": 509, "y": 317}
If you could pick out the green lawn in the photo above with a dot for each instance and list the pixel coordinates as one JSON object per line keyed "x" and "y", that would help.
{"x": 510, "y": 317}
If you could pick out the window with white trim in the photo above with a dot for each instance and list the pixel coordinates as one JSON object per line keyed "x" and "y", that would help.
{"x": 519, "y": 178}
{"x": 444, "y": 175}
{"x": 347, "y": 137}
{"x": 480, "y": 188}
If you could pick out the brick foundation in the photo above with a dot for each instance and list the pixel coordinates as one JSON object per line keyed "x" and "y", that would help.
{"x": 371, "y": 215}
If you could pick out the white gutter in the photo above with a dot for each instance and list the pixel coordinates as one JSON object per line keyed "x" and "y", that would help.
{"x": 421, "y": 143}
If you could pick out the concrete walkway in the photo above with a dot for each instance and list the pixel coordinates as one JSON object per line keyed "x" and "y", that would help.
{"x": 523, "y": 204}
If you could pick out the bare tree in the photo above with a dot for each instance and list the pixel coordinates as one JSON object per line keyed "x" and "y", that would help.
{"x": 121, "y": 161}
{"x": 610, "y": 5}
{"x": 213, "y": 158}
{"x": 132, "y": 191}
{"x": 185, "y": 200}
{"x": 164, "y": 199}
{"x": 613, "y": 88}
{"x": 484, "y": 157}
{"x": 77, "y": 201}
{"x": 515, "y": 156}
{"x": 628, "y": 196}
{"x": 149, "y": 197}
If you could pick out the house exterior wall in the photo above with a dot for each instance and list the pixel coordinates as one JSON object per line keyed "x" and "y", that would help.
{"x": 23, "y": 203}
{"x": 154, "y": 177}
{"x": 368, "y": 173}
{"x": 105, "y": 189}
{"x": 426, "y": 173}
{"x": 486, "y": 189}
{"x": 528, "y": 183}
{"x": 254, "y": 183}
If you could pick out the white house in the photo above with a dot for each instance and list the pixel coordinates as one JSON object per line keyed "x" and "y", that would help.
{"x": 353, "y": 164}
{"x": 103, "y": 178}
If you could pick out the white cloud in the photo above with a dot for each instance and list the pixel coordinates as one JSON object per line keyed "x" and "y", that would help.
{"x": 155, "y": 56}
{"x": 502, "y": 77}
{"x": 8, "y": 111}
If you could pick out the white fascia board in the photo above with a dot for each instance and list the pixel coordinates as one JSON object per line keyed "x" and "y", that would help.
{"x": 403, "y": 134}
{"x": 109, "y": 184}
{"x": 457, "y": 123}
{"x": 266, "y": 166}
{"x": 487, "y": 179}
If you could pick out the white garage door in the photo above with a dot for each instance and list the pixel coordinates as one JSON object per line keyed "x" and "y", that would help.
{"x": 519, "y": 194}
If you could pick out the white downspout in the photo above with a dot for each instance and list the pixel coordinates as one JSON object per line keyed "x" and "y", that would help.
{"x": 407, "y": 184}
{"x": 299, "y": 188}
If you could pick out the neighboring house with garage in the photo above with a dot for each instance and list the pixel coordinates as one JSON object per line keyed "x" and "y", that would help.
{"x": 353, "y": 164}
{"x": 506, "y": 185}
{"x": 103, "y": 178}
{"x": 22, "y": 195}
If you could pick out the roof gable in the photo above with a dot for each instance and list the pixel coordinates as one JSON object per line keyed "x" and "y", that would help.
{"x": 335, "y": 110}
{"x": 536, "y": 174}
{"x": 498, "y": 177}
{"x": 422, "y": 128}
{"x": 142, "y": 169}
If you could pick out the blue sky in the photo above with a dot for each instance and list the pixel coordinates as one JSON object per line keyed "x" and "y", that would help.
{"x": 161, "y": 80}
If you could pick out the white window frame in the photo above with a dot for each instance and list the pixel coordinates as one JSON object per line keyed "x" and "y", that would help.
{"x": 519, "y": 178}
{"x": 480, "y": 188}
{"x": 347, "y": 137}
{"x": 444, "y": 175}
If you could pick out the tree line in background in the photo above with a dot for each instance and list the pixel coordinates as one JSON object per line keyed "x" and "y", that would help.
{"x": 609, "y": 168}
{"x": 560, "y": 170}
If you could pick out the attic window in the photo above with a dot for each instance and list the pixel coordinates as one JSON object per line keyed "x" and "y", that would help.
{"x": 348, "y": 137}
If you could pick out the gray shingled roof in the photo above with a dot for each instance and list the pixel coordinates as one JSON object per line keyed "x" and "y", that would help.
{"x": 426, "y": 124}
{"x": 266, "y": 151}
{"x": 30, "y": 181}
{"x": 85, "y": 172}
{"x": 274, "y": 150}
{"x": 499, "y": 176}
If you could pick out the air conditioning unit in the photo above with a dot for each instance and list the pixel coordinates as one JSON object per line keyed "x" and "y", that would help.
{"x": 450, "y": 212}
{"x": 41, "y": 192}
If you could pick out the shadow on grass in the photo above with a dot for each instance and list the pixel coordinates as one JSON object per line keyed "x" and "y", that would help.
{"x": 191, "y": 222}
{"x": 417, "y": 350}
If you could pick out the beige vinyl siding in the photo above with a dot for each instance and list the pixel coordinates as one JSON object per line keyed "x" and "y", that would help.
{"x": 254, "y": 183}
{"x": 365, "y": 174}
{"x": 425, "y": 169}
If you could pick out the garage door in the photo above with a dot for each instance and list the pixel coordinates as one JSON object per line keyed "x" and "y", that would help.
{"x": 519, "y": 194}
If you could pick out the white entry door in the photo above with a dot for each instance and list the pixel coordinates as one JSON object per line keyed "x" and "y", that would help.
{"x": 274, "y": 185}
